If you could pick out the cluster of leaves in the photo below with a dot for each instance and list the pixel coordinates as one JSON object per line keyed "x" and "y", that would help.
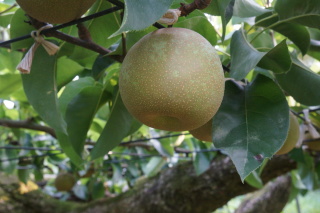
{"x": 269, "y": 57}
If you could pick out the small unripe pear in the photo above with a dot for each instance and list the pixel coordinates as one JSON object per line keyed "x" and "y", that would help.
{"x": 64, "y": 182}
{"x": 203, "y": 133}
{"x": 293, "y": 136}
{"x": 312, "y": 145}
{"x": 55, "y": 11}
{"x": 172, "y": 79}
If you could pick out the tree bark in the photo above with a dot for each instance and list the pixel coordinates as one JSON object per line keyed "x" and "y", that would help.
{"x": 270, "y": 199}
{"x": 174, "y": 190}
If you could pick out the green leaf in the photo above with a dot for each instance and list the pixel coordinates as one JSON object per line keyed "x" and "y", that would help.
{"x": 41, "y": 90}
{"x": 71, "y": 90}
{"x": 140, "y": 14}
{"x": 297, "y": 33}
{"x": 301, "y": 83}
{"x": 200, "y": 25}
{"x": 67, "y": 69}
{"x": 154, "y": 166}
{"x": 23, "y": 175}
{"x": 9, "y": 60}
{"x": 79, "y": 115}
{"x": 5, "y": 19}
{"x": 306, "y": 12}
{"x": 202, "y": 160}
{"x": 223, "y": 8}
{"x": 117, "y": 127}
{"x": 19, "y": 28}
{"x": 98, "y": 190}
{"x": 277, "y": 59}
{"x": 252, "y": 123}
{"x": 162, "y": 148}
{"x": 9, "y": 83}
{"x": 254, "y": 180}
{"x": 100, "y": 65}
{"x": 68, "y": 149}
{"x": 244, "y": 57}
{"x": 248, "y": 8}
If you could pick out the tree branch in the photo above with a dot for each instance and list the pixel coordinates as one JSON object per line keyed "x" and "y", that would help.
{"x": 174, "y": 190}
{"x": 276, "y": 193}
{"x": 180, "y": 190}
{"x": 27, "y": 124}
{"x": 186, "y": 9}
{"x": 86, "y": 43}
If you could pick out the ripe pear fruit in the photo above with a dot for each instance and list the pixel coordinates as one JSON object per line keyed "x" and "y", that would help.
{"x": 203, "y": 133}
{"x": 293, "y": 136}
{"x": 55, "y": 11}
{"x": 172, "y": 79}
{"x": 64, "y": 182}
{"x": 312, "y": 145}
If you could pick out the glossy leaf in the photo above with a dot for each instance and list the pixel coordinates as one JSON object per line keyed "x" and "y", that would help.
{"x": 297, "y": 33}
{"x": 20, "y": 28}
{"x": 154, "y": 166}
{"x": 200, "y": 25}
{"x": 135, "y": 14}
{"x": 306, "y": 12}
{"x": 79, "y": 115}
{"x": 252, "y": 123}
{"x": 201, "y": 160}
{"x": 223, "y": 8}
{"x": 277, "y": 59}
{"x": 301, "y": 83}
{"x": 117, "y": 127}
{"x": 41, "y": 90}
{"x": 100, "y": 65}
{"x": 254, "y": 180}
{"x": 244, "y": 57}
{"x": 248, "y": 8}
{"x": 67, "y": 69}
{"x": 71, "y": 90}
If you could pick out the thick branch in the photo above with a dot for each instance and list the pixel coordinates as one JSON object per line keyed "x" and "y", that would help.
{"x": 177, "y": 190}
{"x": 27, "y": 124}
{"x": 186, "y": 9}
{"x": 276, "y": 193}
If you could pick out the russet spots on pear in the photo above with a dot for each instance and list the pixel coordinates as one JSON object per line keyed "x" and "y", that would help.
{"x": 55, "y": 11}
{"x": 172, "y": 79}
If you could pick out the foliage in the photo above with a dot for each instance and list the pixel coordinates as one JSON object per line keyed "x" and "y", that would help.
{"x": 270, "y": 54}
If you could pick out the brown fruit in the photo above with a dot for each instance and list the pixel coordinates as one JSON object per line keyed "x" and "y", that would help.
{"x": 55, "y": 11}
{"x": 293, "y": 136}
{"x": 64, "y": 182}
{"x": 203, "y": 133}
{"x": 172, "y": 79}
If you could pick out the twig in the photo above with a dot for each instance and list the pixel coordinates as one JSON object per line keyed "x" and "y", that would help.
{"x": 29, "y": 148}
{"x": 84, "y": 40}
{"x": 186, "y": 9}
{"x": 31, "y": 156}
{"x": 8, "y": 9}
{"x": 58, "y": 27}
{"x": 27, "y": 124}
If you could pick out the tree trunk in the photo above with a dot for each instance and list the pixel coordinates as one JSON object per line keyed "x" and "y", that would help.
{"x": 174, "y": 190}
{"x": 270, "y": 199}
